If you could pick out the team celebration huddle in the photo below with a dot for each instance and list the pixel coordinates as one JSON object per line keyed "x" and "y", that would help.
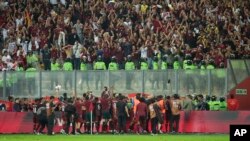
{"x": 110, "y": 113}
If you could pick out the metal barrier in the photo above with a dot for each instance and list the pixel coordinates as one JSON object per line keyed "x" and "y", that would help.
{"x": 168, "y": 82}
{"x": 162, "y": 82}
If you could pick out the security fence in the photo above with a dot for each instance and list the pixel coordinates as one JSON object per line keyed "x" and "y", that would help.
{"x": 163, "y": 82}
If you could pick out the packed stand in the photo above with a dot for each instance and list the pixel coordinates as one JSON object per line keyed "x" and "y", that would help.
{"x": 202, "y": 31}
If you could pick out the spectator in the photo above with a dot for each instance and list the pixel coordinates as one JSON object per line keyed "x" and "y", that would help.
{"x": 207, "y": 30}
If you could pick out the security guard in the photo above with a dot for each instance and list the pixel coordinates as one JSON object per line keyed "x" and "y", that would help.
{"x": 187, "y": 57}
{"x": 215, "y": 104}
{"x": 13, "y": 81}
{"x": 129, "y": 66}
{"x": 203, "y": 76}
{"x": 164, "y": 63}
{"x": 99, "y": 65}
{"x": 210, "y": 68}
{"x": 31, "y": 58}
{"x": 113, "y": 66}
{"x": 20, "y": 77}
{"x": 144, "y": 64}
{"x": 84, "y": 71}
{"x": 54, "y": 77}
{"x": 164, "y": 67}
{"x": 210, "y": 65}
{"x": 203, "y": 65}
{"x": 30, "y": 75}
{"x": 221, "y": 75}
{"x": 67, "y": 67}
{"x": 189, "y": 67}
{"x": 223, "y": 104}
{"x": 176, "y": 64}
{"x": 209, "y": 101}
{"x": 155, "y": 78}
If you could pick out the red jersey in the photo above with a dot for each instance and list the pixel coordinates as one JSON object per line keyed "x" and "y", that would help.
{"x": 114, "y": 101}
{"x": 89, "y": 105}
{"x": 106, "y": 104}
{"x": 9, "y": 106}
{"x": 43, "y": 42}
{"x": 141, "y": 109}
{"x": 78, "y": 106}
{"x": 232, "y": 104}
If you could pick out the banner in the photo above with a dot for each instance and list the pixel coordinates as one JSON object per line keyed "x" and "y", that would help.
{"x": 193, "y": 122}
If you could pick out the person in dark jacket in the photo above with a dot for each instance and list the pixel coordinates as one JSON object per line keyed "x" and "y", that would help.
{"x": 122, "y": 114}
{"x": 17, "y": 106}
{"x": 71, "y": 116}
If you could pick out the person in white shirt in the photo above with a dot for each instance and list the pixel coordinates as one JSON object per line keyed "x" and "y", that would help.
{"x": 79, "y": 30}
{"x": 144, "y": 52}
{"x": 34, "y": 43}
{"x": 19, "y": 21}
{"x": 6, "y": 56}
{"x": 77, "y": 48}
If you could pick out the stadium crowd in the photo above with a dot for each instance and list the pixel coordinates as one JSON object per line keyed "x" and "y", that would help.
{"x": 37, "y": 32}
{"x": 116, "y": 113}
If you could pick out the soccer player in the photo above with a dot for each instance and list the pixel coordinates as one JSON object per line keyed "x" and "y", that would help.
{"x": 141, "y": 115}
{"x": 89, "y": 107}
{"x": 106, "y": 116}
{"x": 79, "y": 120}
{"x": 97, "y": 113}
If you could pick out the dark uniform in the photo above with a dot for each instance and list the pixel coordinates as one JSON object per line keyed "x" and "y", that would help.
{"x": 50, "y": 115}
{"x": 121, "y": 114}
{"x": 42, "y": 117}
{"x": 71, "y": 116}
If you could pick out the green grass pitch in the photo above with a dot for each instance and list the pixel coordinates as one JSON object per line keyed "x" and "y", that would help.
{"x": 163, "y": 137}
